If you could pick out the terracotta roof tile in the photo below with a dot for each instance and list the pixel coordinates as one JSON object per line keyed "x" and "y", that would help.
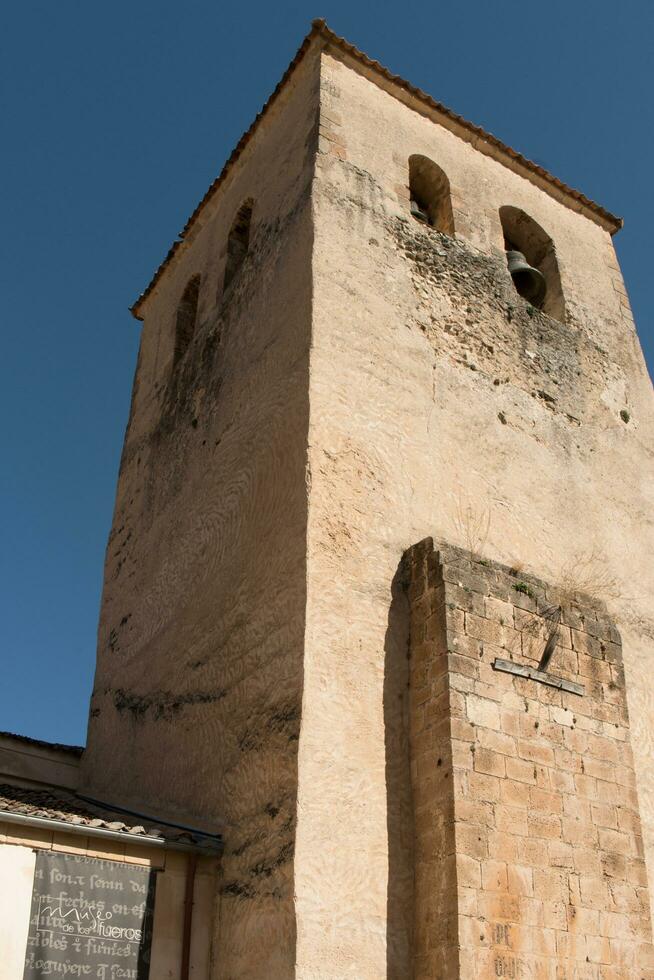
{"x": 37, "y": 742}
{"x": 53, "y": 803}
{"x": 480, "y": 139}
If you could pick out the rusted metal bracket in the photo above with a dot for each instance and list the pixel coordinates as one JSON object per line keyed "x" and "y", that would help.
{"x": 521, "y": 670}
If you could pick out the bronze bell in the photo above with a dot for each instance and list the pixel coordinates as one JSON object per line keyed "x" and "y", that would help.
{"x": 418, "y": 212}
{"x": 529, "y": 282}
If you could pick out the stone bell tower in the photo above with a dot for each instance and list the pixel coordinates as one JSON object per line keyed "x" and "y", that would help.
{"x": 378, "y": 593}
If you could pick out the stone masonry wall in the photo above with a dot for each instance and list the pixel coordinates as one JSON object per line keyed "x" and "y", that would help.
{"x": 529, "y": 855}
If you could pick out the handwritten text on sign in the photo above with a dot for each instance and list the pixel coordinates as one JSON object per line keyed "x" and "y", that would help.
{"x": 89, "y": 918}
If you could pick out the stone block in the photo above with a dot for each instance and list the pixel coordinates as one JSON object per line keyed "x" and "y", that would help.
{"x": 474, "y": 812}
{"x": 468, "y": 870}
{"x": 489, "y": 762}
{"x": 471, "y": 841}
{"x": 499, "y": 610}
{"x": 486, "y": 630}
{"x": 465, "y": 599}
{"x": 520, "y": 880}
{"x": 466, "y": 579}
{"x": 531, "y": 912}
{"x": 561, "y": 854}
{"x": 544, "y": 825}
{"x": 504, "y": 847}
{"x": 534, "y": 854}
{"x": 497, "y": 742}
{"x": 533, "y": 750}
{"x": 483, "y": 712}
{"x": 510, "y": 820}
{"x": 574, "y": 806}
{"x": 510, "y": 722}
{"x": 550, "y": 885}
{"x": 554, "y": 915}
{"x": 594, "y": 892}
{"x": 546, "y": 802}
{"x": 515, "y": 794}
{"x": 586, "y": 786}
{"x": 562, "y": 782}
{"x": 462, "y": 754}
{"x": 494, "y": 876}
{"x": 521, "y": 770}
{"x": 462, "y": 729}
{"x": 616, "y": 841}
{"x": 462, "y": 665}
{"x": 578, "y": 831}
{"x": 562, "y": 716}
{"x": 604, "y": 815}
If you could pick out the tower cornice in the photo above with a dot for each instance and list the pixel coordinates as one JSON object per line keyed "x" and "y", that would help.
{"x": 322, "y": 37}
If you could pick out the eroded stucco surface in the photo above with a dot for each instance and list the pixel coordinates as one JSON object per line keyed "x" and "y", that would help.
{"x": 441, "y": 404}
{"x": 196, "y": 703}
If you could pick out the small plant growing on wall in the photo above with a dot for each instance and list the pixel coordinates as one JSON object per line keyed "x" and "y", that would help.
{"x": 587, "y": 573}
{"x": 472, "y": 524}
{"x": 584, "y": 576}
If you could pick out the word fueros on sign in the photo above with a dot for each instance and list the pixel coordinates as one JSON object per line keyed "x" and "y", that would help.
{"x": 89, "y": 918}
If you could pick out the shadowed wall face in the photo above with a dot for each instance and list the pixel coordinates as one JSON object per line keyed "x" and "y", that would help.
{"x": 529, "y": 851}
{"x": 196, "y": 704}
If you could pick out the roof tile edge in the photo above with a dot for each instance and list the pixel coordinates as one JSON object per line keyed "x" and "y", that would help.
{"x": 39, "y": 743}
{"x": 478, "y": 137}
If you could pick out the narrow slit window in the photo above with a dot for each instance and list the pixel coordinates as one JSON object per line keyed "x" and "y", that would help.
{"x": 238, "y": 242}
{"x": 429, "y": 189}
{"x": 187, "y": 313}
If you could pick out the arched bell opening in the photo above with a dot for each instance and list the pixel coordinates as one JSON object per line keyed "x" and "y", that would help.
{"x": 429, "y": 188}
{"x": 531, "y": 258}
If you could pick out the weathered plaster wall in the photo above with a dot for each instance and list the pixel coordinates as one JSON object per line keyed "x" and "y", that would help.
{"x": 196, "y": 703}
{"x": 438, "y": 401}
{"x": 17, "y": 876}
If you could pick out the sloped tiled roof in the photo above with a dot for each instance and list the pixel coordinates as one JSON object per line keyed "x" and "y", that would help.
{"x": 40, "y": 744}
{"x": 481, "y": 139}
{"x": 52, "y": 803}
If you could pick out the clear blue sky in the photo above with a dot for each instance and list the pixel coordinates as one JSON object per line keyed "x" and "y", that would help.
{"x": 116, "y": 117}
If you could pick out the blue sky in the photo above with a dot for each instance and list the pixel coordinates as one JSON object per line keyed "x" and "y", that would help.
{"x": 116, "y": 117}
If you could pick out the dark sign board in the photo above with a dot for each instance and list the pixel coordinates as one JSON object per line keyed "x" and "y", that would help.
{"x": 89, "y": 918}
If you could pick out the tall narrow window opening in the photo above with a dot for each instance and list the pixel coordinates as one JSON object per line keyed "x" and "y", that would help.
{"x": 187, "y": 313}
{"x": 429, "y": 187}
{"x": 537, "y": 278}
{"x": 238, "y": 241}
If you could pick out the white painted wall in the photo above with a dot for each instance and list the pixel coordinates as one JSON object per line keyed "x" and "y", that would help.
{"x": 16, "y": 877}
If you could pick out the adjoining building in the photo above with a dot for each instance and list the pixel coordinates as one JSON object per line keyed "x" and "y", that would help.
{"x": 89, "y": 889}
{"x": 378, "y": 597}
